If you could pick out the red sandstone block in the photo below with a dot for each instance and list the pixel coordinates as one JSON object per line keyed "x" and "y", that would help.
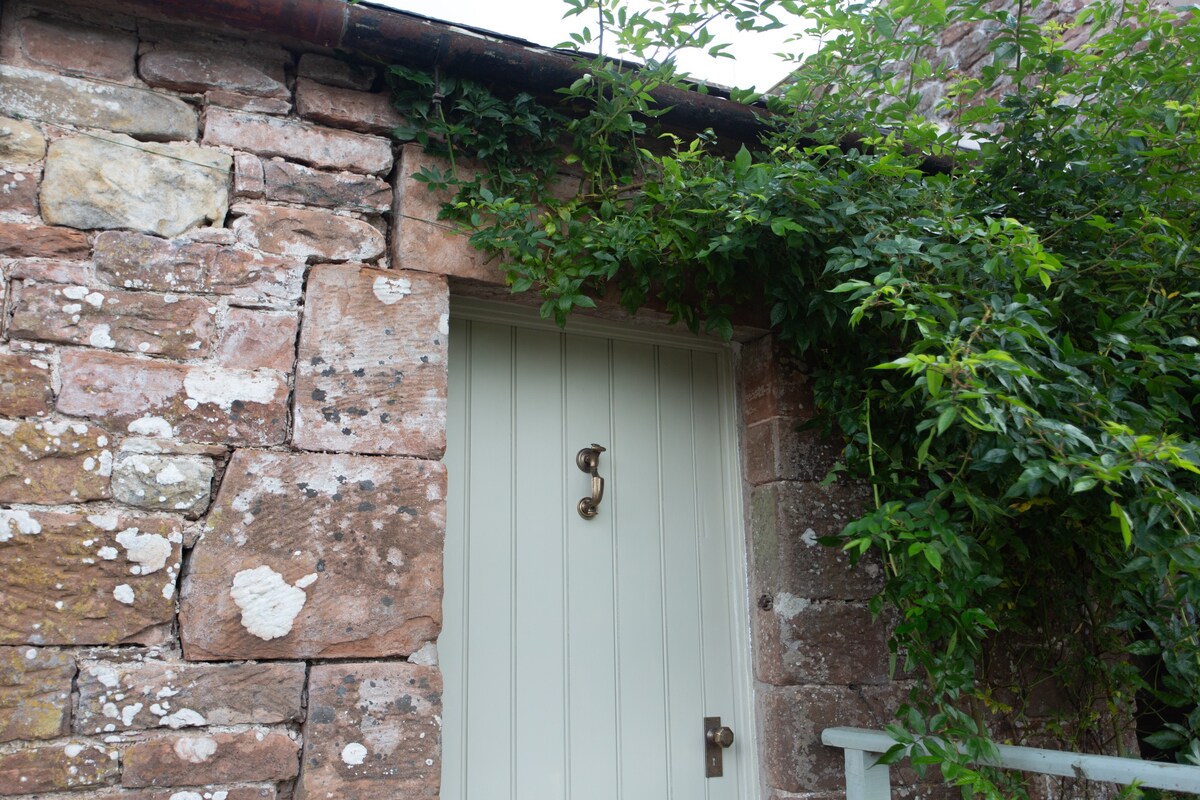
{"x": 53, "y": 461}
{"x": 306, "y": 233}
{"x": 293, "y": 183}
{"x": 101, "y": 579}
{"x": 194, "y": 70}
{"x": 254, "y": 338}
{"x": 133, "y": 695}
{"x": 336, "y": 72}
{"x": 133, "y": 322}
{"x": 35, "y": 692}
{"x": 314, "y": 555}
{"x": 73, "y": 49}
{"x": 60, "y": 767}
{"x": 196, "y": 403}
{"x": 298, "y": 141}
{"x": 192, "y": 759}
{"x": 29, "y": 240}
{"x": 18, "y": 189}
{"x": 419, "y": 240}
{"x": 371, "y": 376}
{"x": 138, "y": 261}
{"x": 346, "y": 108}
{"x": 25, "y": 389}
{"x": 373, "y": 732}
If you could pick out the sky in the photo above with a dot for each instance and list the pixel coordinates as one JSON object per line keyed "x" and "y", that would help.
{"x": 540, "y": 21}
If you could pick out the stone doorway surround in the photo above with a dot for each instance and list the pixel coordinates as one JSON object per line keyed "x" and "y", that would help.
{"x": 223, "y": 361}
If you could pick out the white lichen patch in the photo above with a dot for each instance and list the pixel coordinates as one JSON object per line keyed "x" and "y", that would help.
{"x": 14, "y": 521}
{"x": 169, "y": 475}
{"x": 75, "y": 292}
{"x": 151, "y": 426}
{"x": 183, "y": 718}
{"x": 354, "y": 753}
{"x": 788, "y": 605}
{"x": 148, "y": 551}
{"x": 391, "y": 290}
{"x": 268, "y": 603}
{"x": 101, "y": 337}
{"x": 123, "y": 593}
{"x": 426, "y": 656}
{"x": 224, "y": 387}
{"x": 107, "y": 553}
{"x": 107, "y": 676}
{"x": 105, "y": 522}
{"x": 129, "y": 713}
{"x": 195, "y": 749}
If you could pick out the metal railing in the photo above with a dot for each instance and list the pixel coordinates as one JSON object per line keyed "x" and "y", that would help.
{"x": 867, "y": 780}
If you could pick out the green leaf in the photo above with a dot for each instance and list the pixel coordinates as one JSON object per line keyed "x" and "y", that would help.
{"x": 1122, "y": 518}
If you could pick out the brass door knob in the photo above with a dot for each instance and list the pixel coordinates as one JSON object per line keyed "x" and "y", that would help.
{"x": 721, "y": 737}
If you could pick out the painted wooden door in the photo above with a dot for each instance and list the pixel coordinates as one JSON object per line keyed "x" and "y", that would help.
{"x": 580, "y": 656}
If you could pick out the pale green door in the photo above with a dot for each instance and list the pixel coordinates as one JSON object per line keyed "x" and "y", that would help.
{"x": 581, "y": 656}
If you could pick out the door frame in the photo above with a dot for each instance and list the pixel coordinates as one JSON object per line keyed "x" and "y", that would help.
{"x": 745, "y": 722}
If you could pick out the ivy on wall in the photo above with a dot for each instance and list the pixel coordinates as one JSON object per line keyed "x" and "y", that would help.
{"x": 1009, "y": 353}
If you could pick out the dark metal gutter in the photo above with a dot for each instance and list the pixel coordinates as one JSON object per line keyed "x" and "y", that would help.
{"x": 397, "y": 37}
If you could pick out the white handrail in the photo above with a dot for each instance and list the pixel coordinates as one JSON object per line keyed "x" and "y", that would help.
{"x": 867, "y": 780}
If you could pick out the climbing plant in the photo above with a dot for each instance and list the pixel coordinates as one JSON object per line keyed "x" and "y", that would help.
{"x": 1006, "y": 348}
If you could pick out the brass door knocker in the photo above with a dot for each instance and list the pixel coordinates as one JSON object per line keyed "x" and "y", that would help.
{"x": 588, "y": 460}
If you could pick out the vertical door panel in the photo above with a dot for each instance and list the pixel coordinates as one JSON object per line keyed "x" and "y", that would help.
{"x": 491, "y": 546}
{"x": 636, "y": 516}
{"x": 685, "y": 693}
{"x": 591, "y": 631}
{"x": 541, "y": 506}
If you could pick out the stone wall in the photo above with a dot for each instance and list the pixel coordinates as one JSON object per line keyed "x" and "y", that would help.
{"x": 222, "y": 414}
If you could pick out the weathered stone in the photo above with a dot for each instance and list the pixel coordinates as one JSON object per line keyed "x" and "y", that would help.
{"x": 254, "y": 339}
{"x": 131, "y": 695}
{"x": 286, "y": 182}
{"x": 112, "y": 181}
{"x": 823, "y": 642}
{"x": 20, "y": 142}
{"x": 133, "y": 322}
{"x": 773, "y": 383}
{"x": 192, "y": 759}
{"x": 27, "y": 240}
{"x": 106, "y": 578}
{"x": 135, "y": 261}
{"x": 316, "y": 555}
{"x": 52, "y": 270}
{"x": 336, "y": 72}
{"x": 371, "y": 374}
{"x": 25, "y": 389}
{"x": 53, "y": 461}
{"x": 793, "y": 758}
{"x": 206, "y": 791}
{"x": 199, "y": 402}
{"x": 53, "y": 98}
{"x": 786, "y": 522}
{"x": 297, "y": 141}
{"x": 200, "y": 70}
{"x": 248, "y": 178}
{"x": 67, "y": 766}
{"x": 422, "y": 242}
{"x": 18, "y": 190}
{"x": 75, "y": 49}
{"x": 777, "y": 449}
{"x": 35, "y": 692}
{"x": 163, "y": 483}
{"x": 372, "y": 733}
{"x": 307, "y": 233}
{"x": 248, "y": 102}
{"x": 346, "y": 108}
